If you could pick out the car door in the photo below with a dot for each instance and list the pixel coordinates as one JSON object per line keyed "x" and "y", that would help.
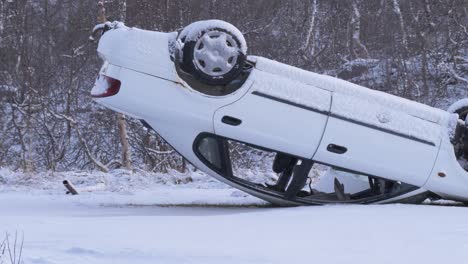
{"x": 366, "y": 137}
{"x": 277, "y": 114}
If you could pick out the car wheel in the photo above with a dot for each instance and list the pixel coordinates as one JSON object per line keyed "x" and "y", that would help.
{"x": 212, "y": 51}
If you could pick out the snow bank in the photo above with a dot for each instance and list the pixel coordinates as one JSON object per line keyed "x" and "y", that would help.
{"x": 114, "y": 181}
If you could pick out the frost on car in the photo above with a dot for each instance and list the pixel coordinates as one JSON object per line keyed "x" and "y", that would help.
{"x": 198, "y": 89}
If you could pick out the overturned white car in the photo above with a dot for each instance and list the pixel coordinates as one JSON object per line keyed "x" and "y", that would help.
{"x": 201, "y": 92}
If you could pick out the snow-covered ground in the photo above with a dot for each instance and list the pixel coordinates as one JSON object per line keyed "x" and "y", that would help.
{"x": 207, "y": 222}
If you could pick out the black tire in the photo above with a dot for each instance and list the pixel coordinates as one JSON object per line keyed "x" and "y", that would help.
{"x": 185, "y": 58}
{"x": 462, "y": 112}
{"x": 463, "y": 150}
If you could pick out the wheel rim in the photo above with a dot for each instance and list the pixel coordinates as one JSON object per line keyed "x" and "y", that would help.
{"x": 216, "y": 53}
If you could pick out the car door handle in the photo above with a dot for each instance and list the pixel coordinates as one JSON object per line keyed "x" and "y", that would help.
{"x": 232, "y": 121}
{"x": 336, "y": 149}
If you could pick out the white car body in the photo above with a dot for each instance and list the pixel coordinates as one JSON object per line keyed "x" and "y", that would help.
{"x": 288, "y": 110}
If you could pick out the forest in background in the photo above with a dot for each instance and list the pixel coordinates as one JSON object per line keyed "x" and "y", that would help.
{"x": 417, "y": 49}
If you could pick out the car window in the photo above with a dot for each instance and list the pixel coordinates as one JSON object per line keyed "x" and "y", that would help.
{"x": 208, "y": 147}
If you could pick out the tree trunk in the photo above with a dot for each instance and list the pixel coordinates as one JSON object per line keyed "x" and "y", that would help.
{"x": 404, "y": 36}
{"x": 311, "y": 30}
{"x": 126, "y": 151}
{"x": 2, "y": 8}
{"x": 356, "y": 34}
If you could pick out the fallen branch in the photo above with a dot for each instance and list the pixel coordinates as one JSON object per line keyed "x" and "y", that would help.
{"x": 71, "y": 189}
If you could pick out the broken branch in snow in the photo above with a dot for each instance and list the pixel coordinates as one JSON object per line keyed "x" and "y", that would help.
{"x": 70, "y": 187}
{"x": 158, "y": 152}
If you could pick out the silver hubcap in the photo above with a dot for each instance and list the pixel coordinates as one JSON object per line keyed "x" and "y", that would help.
{"x": 216, "y": 53}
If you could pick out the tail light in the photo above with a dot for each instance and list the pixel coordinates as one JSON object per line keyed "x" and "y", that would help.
{"x": 105, "y": 86}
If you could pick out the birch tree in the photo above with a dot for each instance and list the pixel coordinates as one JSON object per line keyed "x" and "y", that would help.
{"x": 357, "y": 49}
{"x": 401, "y": 21}
{"x": 309, "y": 44}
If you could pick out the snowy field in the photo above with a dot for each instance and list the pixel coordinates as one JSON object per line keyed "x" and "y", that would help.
{"x": 207, "y": 222}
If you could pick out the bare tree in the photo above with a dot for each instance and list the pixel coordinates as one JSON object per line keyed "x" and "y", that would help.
{"x": 47, "y": 66}
{"x": 404, "y": 35}
{"x": 357, "y": 49}
{"x": 121, "y": 123}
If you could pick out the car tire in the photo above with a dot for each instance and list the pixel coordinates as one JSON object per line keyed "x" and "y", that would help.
{"x": 213, "y": 53}
{"x": 461, "y": 108}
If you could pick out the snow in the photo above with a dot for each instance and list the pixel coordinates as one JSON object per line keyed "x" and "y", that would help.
{"x": 141, "y": 50}
{"x": 100, "y": 86}
{"x": 336, "y": 85}
{"x": 115, "y": 181}
{"x": 110, "y": 25}
{"x": 355, "y": 102}
{"x": 150, "y": 218}
{"x": 293, "y": 91}
{"x": 373, "y": 113}
{"x": 353, "y": 183}
{"x": 193, "y": 31}
{"x": 140, "y": 228}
